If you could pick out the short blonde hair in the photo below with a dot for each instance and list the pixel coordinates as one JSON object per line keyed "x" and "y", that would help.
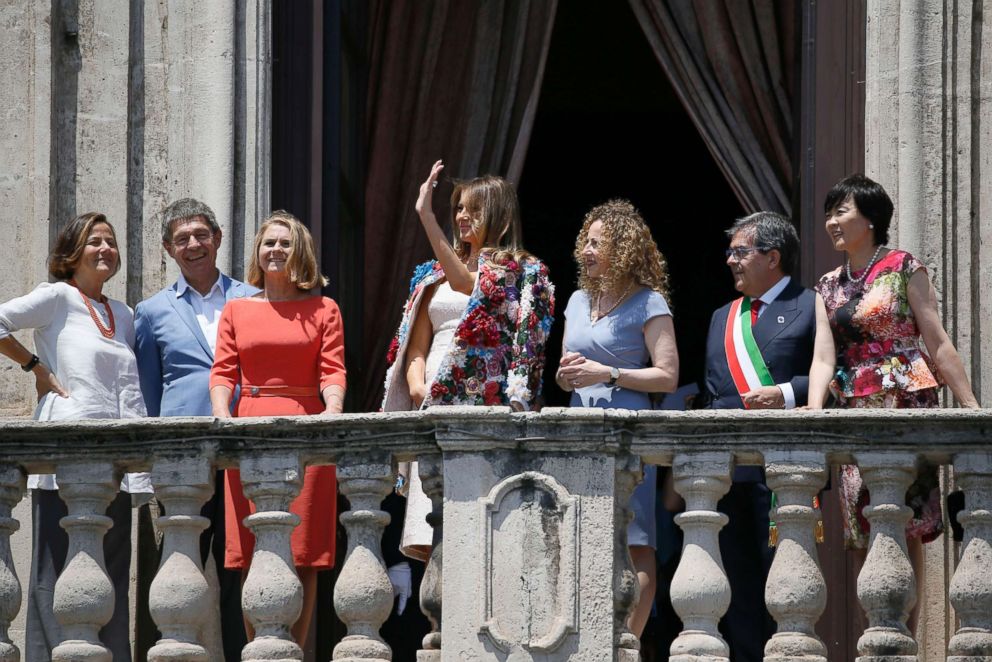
{"x": 302, "y": 263}
{"x": 628, "y": 244}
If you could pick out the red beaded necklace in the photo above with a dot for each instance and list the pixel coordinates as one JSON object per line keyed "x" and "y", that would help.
{"x": 106, "y": 332}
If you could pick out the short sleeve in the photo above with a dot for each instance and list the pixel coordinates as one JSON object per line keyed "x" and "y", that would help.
{"x": 34, "y": 310}
{"x": 656, "y": 306}
{"x": 575, "y": 304}
{"x": 911, "y": 265}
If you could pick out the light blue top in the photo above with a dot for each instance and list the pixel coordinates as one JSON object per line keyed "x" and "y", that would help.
{"x": 616, "y": 340}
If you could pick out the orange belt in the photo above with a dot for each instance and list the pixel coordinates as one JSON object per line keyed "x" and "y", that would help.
{"x": 250, "y": 391}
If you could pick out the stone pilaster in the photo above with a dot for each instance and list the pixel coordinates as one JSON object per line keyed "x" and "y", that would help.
{"x": 796, "y": 593}
{"x": 363, "y": 596}
{"x": 928, "y": 68}
{"x": 700, "y": 589}
{"x": 84, "y": 594}
{"x": 272, "y": 595}
{"x": 887, "y": 585}
{"x": 971, "y": 588}
{"x": 180, "y": 598}
{"x": 432, "y": 482}
{"x": 11, "y": 491}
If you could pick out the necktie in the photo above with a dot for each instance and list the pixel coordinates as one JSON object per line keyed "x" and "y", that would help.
{"x": 755, "y": 305}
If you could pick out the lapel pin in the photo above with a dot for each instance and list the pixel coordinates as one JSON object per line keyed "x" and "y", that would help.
{"x": 781, "y": 320}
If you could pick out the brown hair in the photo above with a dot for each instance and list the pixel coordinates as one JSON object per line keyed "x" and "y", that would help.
{"x": 302, "y": 263}
{"x": 628, "y": 244}
{"x": 69, "y": 245}
{"x": 492, "y": 203}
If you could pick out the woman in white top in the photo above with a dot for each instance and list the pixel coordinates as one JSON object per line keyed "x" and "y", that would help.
{"x": 84, "y": 368}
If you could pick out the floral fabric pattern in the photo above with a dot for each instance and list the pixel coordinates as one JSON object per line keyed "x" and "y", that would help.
{"x": 875, "y": 333}
{"x": 881, "y": 363}
{"x": 497, "y": 354}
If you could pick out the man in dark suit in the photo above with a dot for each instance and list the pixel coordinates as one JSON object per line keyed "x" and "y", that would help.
{"x": 758, "y": 354}
{"x": 175, "y": 335}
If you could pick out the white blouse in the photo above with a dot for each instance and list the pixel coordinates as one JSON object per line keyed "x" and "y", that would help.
{"x": 100, "y": 374}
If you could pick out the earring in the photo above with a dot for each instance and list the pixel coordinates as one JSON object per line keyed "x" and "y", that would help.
{"x": 871, "y": 226}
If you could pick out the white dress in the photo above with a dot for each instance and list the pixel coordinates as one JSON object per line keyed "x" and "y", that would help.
{"x": 100, "y": 374}
{"x": 445, "y": 311}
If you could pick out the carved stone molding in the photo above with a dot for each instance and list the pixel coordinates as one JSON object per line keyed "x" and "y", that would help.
{"x": 530, "y": 532}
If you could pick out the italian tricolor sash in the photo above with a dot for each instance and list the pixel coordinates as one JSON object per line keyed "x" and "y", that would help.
{"x": 747, "y": 367}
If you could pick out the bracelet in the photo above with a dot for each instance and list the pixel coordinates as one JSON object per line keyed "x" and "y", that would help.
{"x": 29, "y": 366}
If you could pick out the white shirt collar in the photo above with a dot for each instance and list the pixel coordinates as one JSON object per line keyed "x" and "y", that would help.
{"x": 182, "y": 286}
{"x": 772, "y": 293}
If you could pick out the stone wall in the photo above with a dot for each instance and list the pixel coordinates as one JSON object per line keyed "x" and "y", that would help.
{"x": 928, "y": 140}
{"x": 121, "y": 107}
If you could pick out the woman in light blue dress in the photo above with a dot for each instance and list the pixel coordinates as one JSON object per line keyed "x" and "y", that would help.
{"x": 620, "y": 347}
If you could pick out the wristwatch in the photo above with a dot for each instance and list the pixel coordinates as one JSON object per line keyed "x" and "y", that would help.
{"x": 614, "y": 376}
{"x": 29, "y": 366}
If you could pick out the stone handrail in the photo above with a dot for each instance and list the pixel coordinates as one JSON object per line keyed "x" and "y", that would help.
{"x": 536, "y": 498}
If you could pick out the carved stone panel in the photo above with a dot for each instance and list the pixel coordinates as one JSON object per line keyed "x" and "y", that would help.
{"x": 530, "y": 561}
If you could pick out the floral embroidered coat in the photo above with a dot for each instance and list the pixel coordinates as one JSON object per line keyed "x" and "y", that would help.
{"x": 497, "y": 354}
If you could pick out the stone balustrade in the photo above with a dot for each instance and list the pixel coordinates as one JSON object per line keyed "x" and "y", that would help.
{"x": 534, "y": 510}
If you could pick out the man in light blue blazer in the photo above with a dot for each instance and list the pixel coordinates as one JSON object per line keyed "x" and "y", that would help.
{"x": 176, "y": 333}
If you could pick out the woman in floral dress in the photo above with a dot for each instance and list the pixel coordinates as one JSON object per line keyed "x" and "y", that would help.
{"x": 475, "y": 324}
{"x": 872, "y": 314}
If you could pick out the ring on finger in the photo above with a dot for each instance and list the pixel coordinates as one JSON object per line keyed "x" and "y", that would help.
{"x": 434, "y": 184}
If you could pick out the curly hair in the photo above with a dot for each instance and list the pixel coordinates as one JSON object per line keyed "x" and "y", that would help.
{"x": 628, "y": 244}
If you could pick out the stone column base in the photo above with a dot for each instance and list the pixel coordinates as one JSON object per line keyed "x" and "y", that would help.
{"x": 428, "y": 656}
{"x": 628, "y": 655}
{"x": 697, "y": 658}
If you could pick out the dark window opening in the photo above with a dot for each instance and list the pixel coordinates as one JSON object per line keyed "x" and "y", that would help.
{"x": 609, "y": 125}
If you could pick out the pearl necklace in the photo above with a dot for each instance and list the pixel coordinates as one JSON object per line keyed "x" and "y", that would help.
{"x": 871, "y": 263}
{"x": 598, "y": 316}
{"x": 106, "y": 332}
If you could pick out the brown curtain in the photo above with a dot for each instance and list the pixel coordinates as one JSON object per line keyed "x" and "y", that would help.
{"x": 733, "y": 65}
{"x": 449, "y": 79}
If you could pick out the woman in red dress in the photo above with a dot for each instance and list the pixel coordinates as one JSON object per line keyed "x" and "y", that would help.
{"x": 285, "y": 348}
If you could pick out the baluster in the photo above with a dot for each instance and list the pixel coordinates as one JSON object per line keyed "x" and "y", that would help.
{"x": 886, "y": 585}
{"x": 626, "y": 587}
{"x": 11, "y": 491}
{"x": 432, "y": 481}
{"x": 84, "y": 594}
{"x": 796, "y": 593}
{"x": 700, "y": 589}
{"x": 180, "y": 598}
{"x": 971, "y": 587}
{"x": 272, "y": 595}
{"x": 363, "y": 596}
